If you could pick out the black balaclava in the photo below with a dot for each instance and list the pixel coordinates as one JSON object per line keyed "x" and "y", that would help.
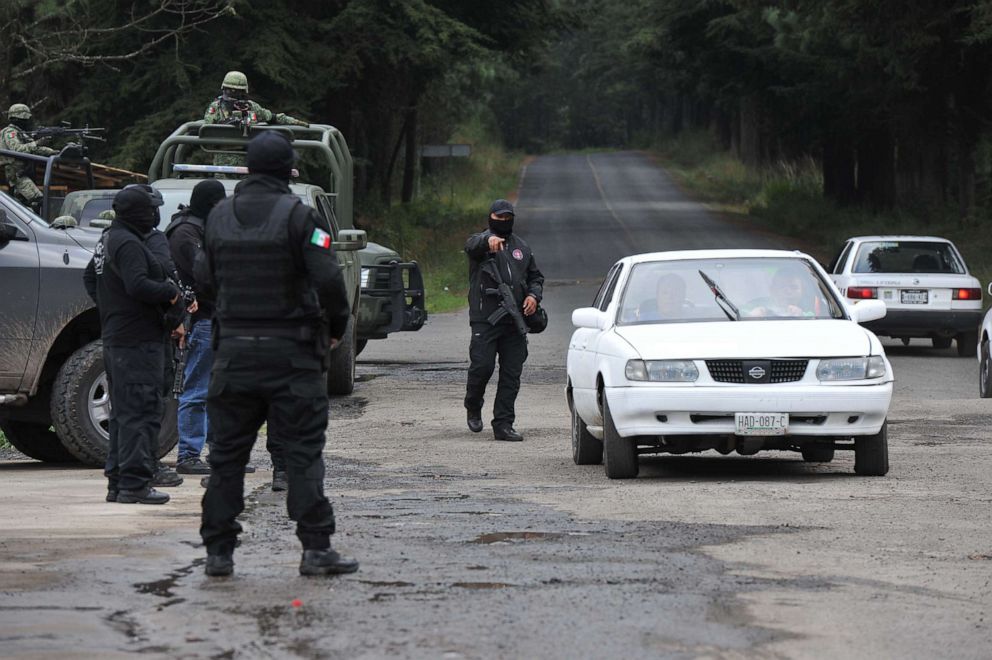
{"x": 23, "y": 124}
{"x": 501, "y": 228}
{"x": 137, "y": 206}
{"x": 205, "y": 196}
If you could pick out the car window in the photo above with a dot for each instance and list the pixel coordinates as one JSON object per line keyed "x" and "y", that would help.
{"x": 604, "y": 286}
{"x": 325, "y": 207}
{"x": 907, "y": 257}
{"x": 611, "y": 287}
{"x": 93, "y": 208}
{"x": 837, "y": 265}
{"x": 760, "y": 288}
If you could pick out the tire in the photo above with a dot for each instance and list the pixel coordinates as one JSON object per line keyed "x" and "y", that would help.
{"x": 586, "y": 449}
{"x": 871, "y": 453}
{"x": 967, "y": 344}
{"x": 80, "y": 408}
{"x": 619, "y": 454}
{"x": 360, "y": 346}
{"x": 985, "y": 372}
{"x": 36, "y": 441}
{"x": 941, "y": 342}
{"x": 818, "y": 454}
{"x": 341, "y": 373}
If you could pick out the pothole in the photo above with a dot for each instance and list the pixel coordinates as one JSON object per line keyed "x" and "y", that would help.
{"x": 504, "y": 537}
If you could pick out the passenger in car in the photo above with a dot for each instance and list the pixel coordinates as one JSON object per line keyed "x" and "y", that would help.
{"x": 788, "y": 297}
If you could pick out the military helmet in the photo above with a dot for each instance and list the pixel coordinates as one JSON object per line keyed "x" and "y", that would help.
{"x": 235, "y": 80}
{"x": 19, "y": 111}
{"x": 107, "y": 215}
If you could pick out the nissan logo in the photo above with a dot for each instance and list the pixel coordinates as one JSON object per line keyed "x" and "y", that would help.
{"x": 756, "y": 373}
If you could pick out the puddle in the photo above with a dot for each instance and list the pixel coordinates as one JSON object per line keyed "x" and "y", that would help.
{"x": 503, "y": 537}
{"x": 482, "y": 585}
{"x": 477, "y": 568}
{"x": 396, "y": 583}
{"x": 163, "y": 588}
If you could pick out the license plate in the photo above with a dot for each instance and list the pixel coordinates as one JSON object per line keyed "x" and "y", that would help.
{"x": 761, "y": 423}
{"x": 913, "y": 296}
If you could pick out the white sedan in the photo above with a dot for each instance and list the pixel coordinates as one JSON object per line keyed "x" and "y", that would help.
{"x": 732, "y": 350}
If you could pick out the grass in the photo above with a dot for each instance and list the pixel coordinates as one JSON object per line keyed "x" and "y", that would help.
{"x": 787, "y": 199}
{"x": 4, "y": 443}
{"x": 452, "y": 204}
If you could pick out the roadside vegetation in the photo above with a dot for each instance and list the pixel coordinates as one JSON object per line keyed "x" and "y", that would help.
{"x": 787, "y": 198}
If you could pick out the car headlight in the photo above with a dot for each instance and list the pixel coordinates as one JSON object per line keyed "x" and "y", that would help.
{"x": 366, "y": 274}
{"x": 665, "y": 371}
{"x": 859, "y": 368}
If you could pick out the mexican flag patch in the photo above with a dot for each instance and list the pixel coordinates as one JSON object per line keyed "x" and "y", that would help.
{"x": 320, "y": 238}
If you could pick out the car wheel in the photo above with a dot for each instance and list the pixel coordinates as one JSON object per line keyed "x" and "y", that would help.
{"x": 81, "y": 406}
{"x": 619, "y": 454}
{"x": 967, "y": 344}
{"x": 941, "y": 342}
{"x": 36, "y": 441}
{"x": 985, "y": 372}
{"x": 341, "y": 373}
{"x": 586, "y": 449}
{"x": 818, "y": 454}
{"x": 871, "y": 453}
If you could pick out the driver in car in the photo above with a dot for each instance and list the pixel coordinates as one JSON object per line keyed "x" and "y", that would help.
{"x": 788, "y": 297}
{"x": 669, "y": 302}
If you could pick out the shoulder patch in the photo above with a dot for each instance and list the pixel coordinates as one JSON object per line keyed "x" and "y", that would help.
{"x": 212, "y": 109}
{"x": 518, "y": 254}
{"x": 320, "y": 238}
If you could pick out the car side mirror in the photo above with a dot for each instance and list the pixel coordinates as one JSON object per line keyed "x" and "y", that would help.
{"x": 7, "y": 232}
{"x": 990, "y": 288}
{"x": 350, "y": 240}
{"x": 867, "y": 310}
{"x": 589, "y": 317}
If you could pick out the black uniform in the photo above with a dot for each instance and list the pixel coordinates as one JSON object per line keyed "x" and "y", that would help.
{"x": 279, "y": 294}
{"x": 518, "y": 269}
{"x": 129, "y": 286}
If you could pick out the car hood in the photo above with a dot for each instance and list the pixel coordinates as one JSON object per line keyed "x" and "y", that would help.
{"x": 747, "y": 339}
{"x": 85, "y": 237}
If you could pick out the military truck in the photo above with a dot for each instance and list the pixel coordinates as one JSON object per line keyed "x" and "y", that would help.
{"x": 54, "y": 402}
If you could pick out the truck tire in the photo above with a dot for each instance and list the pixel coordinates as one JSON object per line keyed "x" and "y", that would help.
{"x": 36, "y": 441}
{"x": 80, "y": 408}
{"x": 586, "y": 449}
{"x": 619, "y": 454}
{"x": 818, "y": 453}
{"x": 341, "y": 373}
{"x": 871, "y": 453}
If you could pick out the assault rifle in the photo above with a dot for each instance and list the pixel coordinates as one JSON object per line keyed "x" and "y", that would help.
{"x": 507, "y": 302}
{"x": 51, "y": 132}
{"x": 181, "y": 353}
{"x": 241, "y": 114}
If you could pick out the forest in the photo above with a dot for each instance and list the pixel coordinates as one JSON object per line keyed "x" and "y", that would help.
{"x": 891, "y": 99}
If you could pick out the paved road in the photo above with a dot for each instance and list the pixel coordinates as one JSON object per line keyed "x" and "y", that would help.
{"x": 477, "y": 549}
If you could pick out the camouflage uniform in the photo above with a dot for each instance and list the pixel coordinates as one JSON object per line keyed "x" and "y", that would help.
{"x": 13, "y": 138}
{"x": 221, "y": 111}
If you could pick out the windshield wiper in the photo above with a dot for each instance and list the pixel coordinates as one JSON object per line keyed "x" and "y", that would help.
{"x": 721, "y": 298}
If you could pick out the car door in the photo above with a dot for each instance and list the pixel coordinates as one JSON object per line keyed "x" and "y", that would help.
{"x": 348, "y": 259}
{"x": 582, "y": 351}
{"x": 838, "y": 267}
{"x": 20, "y": 274}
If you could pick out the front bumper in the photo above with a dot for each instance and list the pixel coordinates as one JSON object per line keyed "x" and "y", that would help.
{"x": 392, "y": 300}
{"x": 815, "y": 410}
{"x": 944, "y": 323}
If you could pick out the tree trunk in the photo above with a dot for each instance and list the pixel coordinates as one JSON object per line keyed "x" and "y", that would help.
{"x": 750, "y": 141}
{"x": 839, "y": 170}
{"x": 410, "y": 157}
{"x": 876, "y": 169}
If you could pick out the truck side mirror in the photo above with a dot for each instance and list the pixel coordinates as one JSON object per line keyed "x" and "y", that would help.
{"x": 7, "y": 232}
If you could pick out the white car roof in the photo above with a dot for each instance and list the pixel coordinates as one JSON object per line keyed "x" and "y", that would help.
{"x": 229, "y": 184}
{"x": 898, "y": 237}
{"x": 678, "y": 255}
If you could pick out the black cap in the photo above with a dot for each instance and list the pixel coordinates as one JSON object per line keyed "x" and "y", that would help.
{"x": 271, "y": 153}
{"x": 501, "y": 207}
{"x": 136, "y": 198}
{"x": 205, "y": 195}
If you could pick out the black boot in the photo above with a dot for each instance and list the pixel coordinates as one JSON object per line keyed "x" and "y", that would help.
{"x": 146, "y": 495}
{"x": 507, "y": 433}
{"x": 220, "y": 565}
{"x": 166, "y": 477}
{"x": 111, "y": 495}
{"x": 326, "y": 562}
{"x": 474, "y": 421}
{"x": 279, "y": 480}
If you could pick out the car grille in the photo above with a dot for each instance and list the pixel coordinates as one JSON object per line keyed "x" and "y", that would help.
{"x": 732, "y": 371}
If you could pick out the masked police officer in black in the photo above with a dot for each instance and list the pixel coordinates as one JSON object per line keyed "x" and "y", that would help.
{"x": 281, "y": 304}
{"x": 515, "y": 263}
{"x": 130, "y": 288}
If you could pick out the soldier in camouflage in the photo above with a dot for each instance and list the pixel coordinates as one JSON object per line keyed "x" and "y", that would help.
{"x": 234, "y": 107}
{"x": 15, "y": 138}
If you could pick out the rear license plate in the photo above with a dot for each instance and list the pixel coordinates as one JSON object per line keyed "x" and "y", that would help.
{"x": 761, "y": 423}
{"x": 913, "y": 296}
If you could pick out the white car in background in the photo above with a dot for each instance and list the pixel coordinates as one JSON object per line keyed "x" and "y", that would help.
{"x": 732, "y": 350}
{"x": 923, "y": 282}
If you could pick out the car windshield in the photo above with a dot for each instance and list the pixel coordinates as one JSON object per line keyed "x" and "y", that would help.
{"x": 908, "y": 257}
{"x": 173, "y": 198}
{"x": 756, "y": 288}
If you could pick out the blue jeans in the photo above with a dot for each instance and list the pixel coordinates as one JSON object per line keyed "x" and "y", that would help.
{"x": 193, "y": 427}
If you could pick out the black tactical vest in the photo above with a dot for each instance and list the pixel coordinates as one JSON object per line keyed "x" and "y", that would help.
{"x": 258, "y": 285}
